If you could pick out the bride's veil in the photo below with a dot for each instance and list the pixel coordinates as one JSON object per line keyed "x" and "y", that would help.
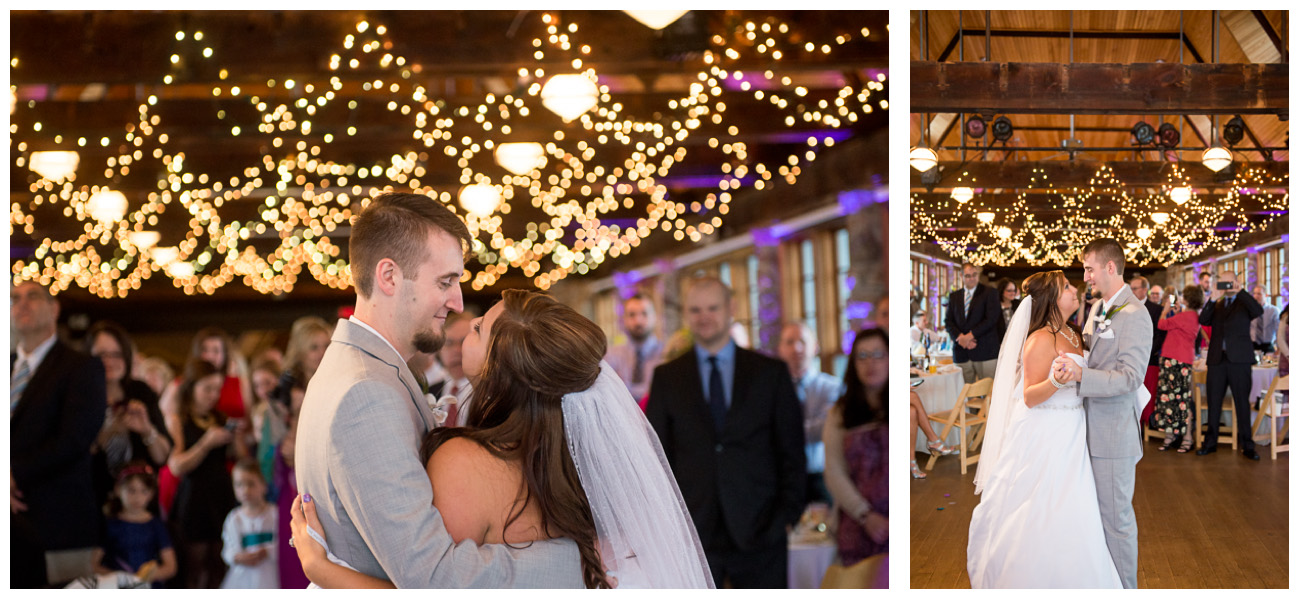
{"x": 1008, "y": 388}
{"x": 644, "y": 532}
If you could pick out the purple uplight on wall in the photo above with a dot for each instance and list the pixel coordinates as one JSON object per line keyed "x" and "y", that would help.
{"x": 852, "y": 201}
{"x": 765, "y": 236}
{"x": 846, "y": 345}
{"x": 850, "y": 281}
{"x": 858, "y": 310}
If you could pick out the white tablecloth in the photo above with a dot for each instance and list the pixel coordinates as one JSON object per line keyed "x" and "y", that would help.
{"x": 808, "y": 563}
{"x": 938, "y": 393}
{"x": 1260, "y": 378}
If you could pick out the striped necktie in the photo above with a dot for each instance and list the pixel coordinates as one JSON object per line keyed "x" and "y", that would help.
{"x": 969, "y": 295}
{"x": 18, "y": 382}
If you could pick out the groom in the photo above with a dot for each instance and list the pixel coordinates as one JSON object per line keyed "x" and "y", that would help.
{"x": 1118, "y": 333}
{"x": 363, "y": 416}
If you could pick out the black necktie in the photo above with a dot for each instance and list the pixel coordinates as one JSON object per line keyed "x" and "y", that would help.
{"x": 637, "y": 375}
{"x": 717, "y": 397}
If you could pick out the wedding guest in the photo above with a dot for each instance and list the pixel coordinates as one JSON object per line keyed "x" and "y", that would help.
{"x": 1173, "y": 398}
{"x": 881, "y": 317}
{"x": 269, "y": 420}
{"x": 921, "y": 331}
{"x": 454, "y": 382}
{"x": 56, "y": 409}
{"x": 135, "y": 540}
{"x": 1283, "y": 343}
{"x": 155, "y": 372}
{"x": 1140, "y": 287}
{"x": 248, "y": 534}
{"x": 857, "y": 455}
{"x": 1205, "y": 279}
{"x": 636, "y": 359}
{"x": 921, "y": 420}
{"x": 1228, "y": 360}
{"x": 739, "y": 464}
{"x": 133, "y": 428}
{"x": 214, "y": 346}
{"x": 204, "y": 495}
{"x": 972, "y": 324}
{"x": 1263, "y": 329}
{"x": 817, "y": 391}
{"x": 1156, "y": 294}
{"x": 1008, "y": 301}
{"x": 308, "y": 338}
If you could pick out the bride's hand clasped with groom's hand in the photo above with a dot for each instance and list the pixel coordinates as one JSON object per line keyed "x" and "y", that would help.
{"x": 1065, "y": 370}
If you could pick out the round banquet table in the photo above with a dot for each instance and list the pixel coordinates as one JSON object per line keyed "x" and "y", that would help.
{"x": 1261, "y": 376}
{"x": 939, "y": 393}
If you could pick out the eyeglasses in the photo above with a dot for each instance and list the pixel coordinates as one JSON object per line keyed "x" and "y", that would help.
{"x": 112, "y": 355}
{"x": 878, "y": 355}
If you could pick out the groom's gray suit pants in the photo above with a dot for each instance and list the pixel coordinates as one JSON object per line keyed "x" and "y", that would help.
{"x": 1115, "y": 480}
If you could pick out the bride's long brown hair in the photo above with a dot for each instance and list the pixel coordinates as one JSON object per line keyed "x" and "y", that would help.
{"x": 1045, "y": 288}
{"x": 539, "y": 350}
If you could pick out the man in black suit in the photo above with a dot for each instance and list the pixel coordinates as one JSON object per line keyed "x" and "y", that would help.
{"x": 57, "y": 405}
{"x": 732, "y": 430}
{"x": 1140, "y": 287}
{"x": 972, "y": 322}
{"x": 1230, "y": 356}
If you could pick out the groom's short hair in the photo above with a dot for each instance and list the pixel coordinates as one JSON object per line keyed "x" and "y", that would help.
{"x": 1106, "y": 250}
{"x": 396, "y": 226}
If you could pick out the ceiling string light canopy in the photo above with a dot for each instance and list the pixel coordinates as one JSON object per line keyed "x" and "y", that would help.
{"x": 1048, "y": 225}
{"x": 305, "y": 196}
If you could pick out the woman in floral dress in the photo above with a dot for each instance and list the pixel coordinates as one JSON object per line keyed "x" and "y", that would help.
{"x": 1173, "y": 410}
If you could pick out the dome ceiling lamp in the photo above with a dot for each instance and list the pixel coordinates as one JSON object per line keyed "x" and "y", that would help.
{"x": 55, "y": 165}
{"x": 520, "y": 158}
{"x": 480, "y": 200}
{"x": 570, "y": 95}
{"x": 656, "y": 19}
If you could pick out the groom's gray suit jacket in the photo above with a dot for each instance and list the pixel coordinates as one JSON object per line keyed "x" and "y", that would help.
{"x": 1116, "y": 369}
{"x": 357, "y": 454}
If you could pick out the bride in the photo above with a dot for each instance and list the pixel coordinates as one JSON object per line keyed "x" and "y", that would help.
{"x": 555, "y": 447}
{"x": 1038, "y": 524}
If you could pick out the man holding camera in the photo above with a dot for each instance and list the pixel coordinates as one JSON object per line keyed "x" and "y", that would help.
{"x": 1230, "y": 357}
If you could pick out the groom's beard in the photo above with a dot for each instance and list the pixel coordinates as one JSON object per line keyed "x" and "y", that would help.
{"x": 428, "y": 341}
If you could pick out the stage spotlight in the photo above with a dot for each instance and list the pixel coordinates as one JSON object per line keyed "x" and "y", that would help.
{"x": 1233, "y": 131}
{"x": 1144, "y": 134}
{"x": 976, "y": 127}
{"x": 1168, "y": 136}
{"x": 1002, "y": 129}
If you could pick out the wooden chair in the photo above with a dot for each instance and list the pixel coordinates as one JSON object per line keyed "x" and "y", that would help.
{"x": 973, "y": 396}
{"x": 1200, "y": 396}
{"x": 869, "y": 573}
{"x": 1275, "y": 409}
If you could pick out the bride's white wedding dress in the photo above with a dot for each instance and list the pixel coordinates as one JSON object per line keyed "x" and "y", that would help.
{"x": 1038, "y": 524}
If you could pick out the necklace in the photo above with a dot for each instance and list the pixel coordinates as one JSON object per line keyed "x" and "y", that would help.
{"x": 1069, "y": 335}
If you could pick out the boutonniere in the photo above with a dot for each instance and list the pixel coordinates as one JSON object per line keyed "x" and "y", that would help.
{"x": 440, "y": 407}
{"x": 1103, "y": 321}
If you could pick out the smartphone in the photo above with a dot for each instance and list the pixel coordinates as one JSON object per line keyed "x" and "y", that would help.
{"x": 1223, "y": 285}
{"x": 231, "y": 424}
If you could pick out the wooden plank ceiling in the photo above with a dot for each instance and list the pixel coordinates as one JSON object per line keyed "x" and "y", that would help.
{"x": 1093, "y": 89}
{"x": 86, "y": 75}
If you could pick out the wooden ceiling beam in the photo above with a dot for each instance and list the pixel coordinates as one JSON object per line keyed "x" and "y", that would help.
{"x": 1100, "y": 88}
{"x": 1064, "y": 174}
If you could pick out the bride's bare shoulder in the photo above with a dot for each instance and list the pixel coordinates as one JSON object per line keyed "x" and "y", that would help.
{"x": 1040, "y": 343}
{"x": 468, "y": 486}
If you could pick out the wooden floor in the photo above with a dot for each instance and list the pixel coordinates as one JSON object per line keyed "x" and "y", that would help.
{"x": 1216, "y": 521}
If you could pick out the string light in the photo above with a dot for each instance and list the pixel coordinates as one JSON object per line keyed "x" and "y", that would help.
{"x": 305, "y": 196}
{"x": 1044, "y": 224}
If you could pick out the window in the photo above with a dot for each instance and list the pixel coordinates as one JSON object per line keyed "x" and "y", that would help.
{"x": 724, "y": 273}
{"x": 808, "y": 281}
{"x": 842, "y": 281}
